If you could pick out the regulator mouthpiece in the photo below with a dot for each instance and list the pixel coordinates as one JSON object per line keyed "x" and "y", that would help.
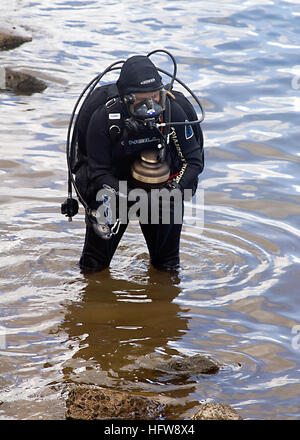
{"x": 148, "y": 108}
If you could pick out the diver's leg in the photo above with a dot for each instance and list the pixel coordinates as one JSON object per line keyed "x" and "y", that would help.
{"x": 163, "y": 244}
{"x": 163, "y": 239}
{"x": 97, "y": 253}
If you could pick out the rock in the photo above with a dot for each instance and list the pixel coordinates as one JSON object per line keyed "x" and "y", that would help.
{"x": 20, "y": 82}
{"x": 11, "y": 37}
{"x": 216, "y": 411}
{"x": 90, "y": 403}
{"x": 190, "y": 366}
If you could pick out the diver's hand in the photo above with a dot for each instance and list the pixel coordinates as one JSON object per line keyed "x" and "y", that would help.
{"x": 172, "y": 184}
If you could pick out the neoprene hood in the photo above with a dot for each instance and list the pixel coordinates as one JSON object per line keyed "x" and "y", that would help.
{"x": 139, "y": 74}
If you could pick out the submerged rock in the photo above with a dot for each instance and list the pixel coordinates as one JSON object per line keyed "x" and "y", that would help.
{"x": 190, "y": 366}
{"x": 11, "y": 37}
{"x": 20, "y": 82}
{"x": 216, "y": 411}
{"x": 90, "y": 403}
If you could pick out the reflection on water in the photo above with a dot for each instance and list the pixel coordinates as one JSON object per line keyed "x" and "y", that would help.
{"x": 236, "y": 295}
{"x": 119, "y": 324}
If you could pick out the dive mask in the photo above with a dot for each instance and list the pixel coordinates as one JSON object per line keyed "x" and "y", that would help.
{"x": 148, "y": 108}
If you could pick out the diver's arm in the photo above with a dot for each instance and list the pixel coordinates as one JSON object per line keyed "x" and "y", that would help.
{"x": 189, "y": 150}
{"x": 99, "y": 152}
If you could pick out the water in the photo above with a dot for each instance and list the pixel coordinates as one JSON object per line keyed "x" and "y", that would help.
{"x": 236, "y": 296}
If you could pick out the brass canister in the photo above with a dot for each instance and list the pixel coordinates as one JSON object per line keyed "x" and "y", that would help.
{"x": 149, "y": 169}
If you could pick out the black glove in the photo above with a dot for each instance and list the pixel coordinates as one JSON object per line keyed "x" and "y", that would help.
{"x": 172, "y": 184}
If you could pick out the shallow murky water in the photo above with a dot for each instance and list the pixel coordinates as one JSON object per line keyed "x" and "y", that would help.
{"x": 236, "y": 296}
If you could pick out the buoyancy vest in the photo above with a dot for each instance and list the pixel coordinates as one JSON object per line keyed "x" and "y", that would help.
{"x": 108, "y": 96}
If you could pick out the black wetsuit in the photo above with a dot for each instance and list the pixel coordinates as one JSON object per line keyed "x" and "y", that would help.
{"x": 109, "y": 163}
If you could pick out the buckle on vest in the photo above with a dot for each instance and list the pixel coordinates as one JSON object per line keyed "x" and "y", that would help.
{"x": 111, "y": 102}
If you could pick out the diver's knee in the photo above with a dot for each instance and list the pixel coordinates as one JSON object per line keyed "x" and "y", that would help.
{"x": 88, "y": 264}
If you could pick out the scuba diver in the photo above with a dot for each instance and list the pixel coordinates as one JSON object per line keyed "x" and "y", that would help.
{"x": 141, "y": 132}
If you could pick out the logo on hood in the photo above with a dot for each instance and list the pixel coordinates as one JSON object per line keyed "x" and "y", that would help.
{"x": 147, "y": 81}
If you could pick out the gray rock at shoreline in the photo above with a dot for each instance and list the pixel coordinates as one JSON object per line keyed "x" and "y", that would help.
{"x": 216, "y": 411}
{"x": 20, "y": 82}
{"x": 91, "y": 403}
{"x": 12, "y": 37}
